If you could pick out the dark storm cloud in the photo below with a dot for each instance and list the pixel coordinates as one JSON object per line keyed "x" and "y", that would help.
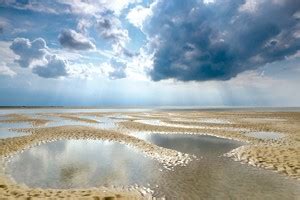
{"x": 217, "y": 41}
{"x": 54, "y": 68}
{"x": 28, "y": 51}
{"x": 72, "y": 40}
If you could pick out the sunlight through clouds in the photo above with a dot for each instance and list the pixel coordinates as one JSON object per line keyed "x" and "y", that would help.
{"x": 201, "y": 52}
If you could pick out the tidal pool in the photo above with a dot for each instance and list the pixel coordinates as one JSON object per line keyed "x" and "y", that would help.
{"x": 192, "y": 144}
{"x": 79, "y": 164}
{"x": 88, "y": 163}
{"x": 215, "y": 176}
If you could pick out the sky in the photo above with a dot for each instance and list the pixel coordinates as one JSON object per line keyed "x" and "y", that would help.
{"x": 150, "y": 53}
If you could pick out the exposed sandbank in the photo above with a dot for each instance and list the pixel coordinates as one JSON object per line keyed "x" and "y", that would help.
{"x": 280, "y": 155}
{"x": 17, "y": 118}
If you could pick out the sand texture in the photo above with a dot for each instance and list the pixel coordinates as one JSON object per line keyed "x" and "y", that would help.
{"x": 17, "y": 118}
{"x": 280, "y": 155}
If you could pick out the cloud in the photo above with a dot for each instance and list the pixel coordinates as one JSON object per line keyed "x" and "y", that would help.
{"x": 76, "y": 7}
{"x": 94, "y": 7}
{"x": 85, "y": 71}
{"x": 110, "y": 29}
{"x": 138, "y": 67}
{"x": 4, "y": 70}
{"x": 36, "y": 55}
{"x": 202, "y": 41}
{"x": 54, "y": 68}
{"x": 83, "y": 25}
{"x": 6, "y": 54}
{"x": 28, "y": 51}
{"x": 118, "y": 6}
{"x": 118, "y": 70}
{"x": 44, "y": 6}
{"x": 72, "y": 40}
{"x": 138, "y": 15}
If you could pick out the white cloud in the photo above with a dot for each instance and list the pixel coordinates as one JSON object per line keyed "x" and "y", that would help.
{"x": 83, "y": 24}
{"x": 83, "y": 7}
{"x": 85, "y": 71}
{"x": 117, "y": 6}
{"x": 94, "y": 7}
{"x": 110, "y": 29}
{"x": 31, "y": 5}
{"x": 4, "y": 70}
{"x": 6, "y": 55}
{"x": 79, "y": 7}
{"x": 19, "y": 30}
{"x": 208, "y": 1}
{"x": 55, "y": 67}
{"x": 28, "y": 51}
{"x": 249, "y": 6}
{"x": 67, "y": 55}
{"x": 139, "y": 66}
{"x": 37, "y": 55}
{"x": 138, "y": 15}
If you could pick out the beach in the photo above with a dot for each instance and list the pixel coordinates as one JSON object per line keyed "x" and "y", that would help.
{"x": 278, "y": 152}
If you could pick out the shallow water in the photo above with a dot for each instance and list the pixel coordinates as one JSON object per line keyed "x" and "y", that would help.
{"x": 155, "y": 122}
{"x": 102, "y": 122}
{"x": 265, "y": 135}
{"x": 203, "y": 145}
{"x": 6, "y": 133}
{"x": 214, "y": 121}
{"x": 107, "y": 122}
{"x": 81, "y": 163}
{"x": 264, "y": 120}
{"x": 15, "y": 125}
{"x": 68, "y": 110}
{"x": 215, "y": 176}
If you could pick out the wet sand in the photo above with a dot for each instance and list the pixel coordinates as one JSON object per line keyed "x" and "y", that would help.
{"x": 281, "y": 155}
{"x": 74, "y": 117}
{"x": 17, "y": 118}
